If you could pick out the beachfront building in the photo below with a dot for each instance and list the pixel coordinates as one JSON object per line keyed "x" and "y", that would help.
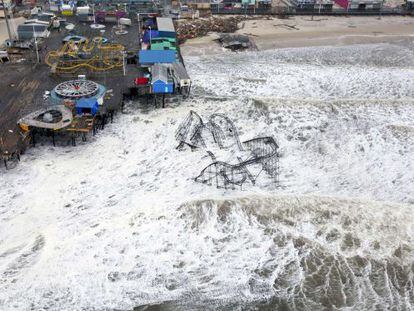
{"x": 320, "y": 6}
{"x": 409, "y": 5}
{"x": 160, "y": 81}
{"x": 166, "y": 27}
{"x": 134, "y": 6}
{"x": 365, "y": 5}
{"x": 6, "y": 6}
{"x": 149, "y": 57}
{"x": 305, "y": 5}
{"x": 32, "y": 30}
{"x": 242, "y": 6}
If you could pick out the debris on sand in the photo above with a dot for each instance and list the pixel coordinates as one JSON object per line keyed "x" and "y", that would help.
{"x": 190, "y": 29}
{"x": 236, "y": 42}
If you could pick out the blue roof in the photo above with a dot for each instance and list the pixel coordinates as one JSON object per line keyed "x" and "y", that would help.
{"x": 162, "y": 87}
{"x": 157, "y": 56}
{"x": 149, "y": 22}
{"x": 86, "y": 102}
{"x": 154, "y": 34}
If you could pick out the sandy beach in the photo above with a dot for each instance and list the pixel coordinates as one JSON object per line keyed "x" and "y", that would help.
{"x": 302, "y": 31}
{"x": 13, "y": 27}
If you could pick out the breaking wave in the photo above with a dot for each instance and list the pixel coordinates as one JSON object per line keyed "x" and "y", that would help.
{"x": 301, "y": 253}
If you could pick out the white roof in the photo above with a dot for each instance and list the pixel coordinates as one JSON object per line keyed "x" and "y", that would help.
{"x": 165, "y": 24}
{"x": 33, "y": 118}
{"x": 159, "y": 72}
{"x": 36, "y": 26}
{"x": 36, "y": 22}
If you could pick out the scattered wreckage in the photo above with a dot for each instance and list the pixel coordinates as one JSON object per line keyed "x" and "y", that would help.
{"x": 235, "y": 42}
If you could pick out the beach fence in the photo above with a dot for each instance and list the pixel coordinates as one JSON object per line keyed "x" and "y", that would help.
{"x": 308, "y": 7}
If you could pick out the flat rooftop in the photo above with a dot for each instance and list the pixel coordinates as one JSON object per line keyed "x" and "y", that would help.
{"x": 165, "y": 24}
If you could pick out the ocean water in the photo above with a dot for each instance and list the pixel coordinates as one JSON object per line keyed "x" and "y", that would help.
{"x": 118, "y": 222}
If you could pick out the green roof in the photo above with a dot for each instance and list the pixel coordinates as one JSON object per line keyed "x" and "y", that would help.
{"x": 161, "y": 39}
{"x": 162, "y": 46}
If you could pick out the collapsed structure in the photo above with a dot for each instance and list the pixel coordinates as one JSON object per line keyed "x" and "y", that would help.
{"x": 248, "y": 158}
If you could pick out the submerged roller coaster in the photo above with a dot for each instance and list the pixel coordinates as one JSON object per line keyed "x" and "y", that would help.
{"x": 259, "y": 152}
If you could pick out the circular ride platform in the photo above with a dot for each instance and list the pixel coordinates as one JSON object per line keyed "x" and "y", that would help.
{"x": 75, "y": 89}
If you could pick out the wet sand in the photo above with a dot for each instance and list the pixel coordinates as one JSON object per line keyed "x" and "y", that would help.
{"x": 302, "y": 31}
{"x": 13, "y": 27}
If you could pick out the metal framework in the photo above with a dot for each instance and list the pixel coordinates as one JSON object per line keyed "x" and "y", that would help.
{"x": 76, "y": 89}
{"x": 94, "y": 55}
{"x": 261, "y": 152}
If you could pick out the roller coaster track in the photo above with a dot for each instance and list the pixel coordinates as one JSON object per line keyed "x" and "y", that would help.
{"x": 108, "y": 56}
{"x": 262, "y": 151}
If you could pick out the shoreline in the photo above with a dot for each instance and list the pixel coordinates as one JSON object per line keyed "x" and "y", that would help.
{"x": 301, "y": 31}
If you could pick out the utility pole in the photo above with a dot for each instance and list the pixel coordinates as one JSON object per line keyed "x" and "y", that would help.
{"x": 380, "y": 11}
{"x": 139, "y": 31}
{"x": 123, "y": 63}
{"x": 93, "y": 13}
{"x": 7, "y": 19}
{"x": 36, "y": 47}
{"x": 139, "y": 25}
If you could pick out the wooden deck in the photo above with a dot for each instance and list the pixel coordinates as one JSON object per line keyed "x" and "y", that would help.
{"x": 24, "y": 84}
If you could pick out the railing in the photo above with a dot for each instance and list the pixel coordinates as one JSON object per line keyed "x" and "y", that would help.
{"x": 217, "y": 9}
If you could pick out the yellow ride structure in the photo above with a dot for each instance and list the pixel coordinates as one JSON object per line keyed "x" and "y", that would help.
{"x": 92, "y": 55}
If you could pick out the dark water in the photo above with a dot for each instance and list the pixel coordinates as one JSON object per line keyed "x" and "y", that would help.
{"x": 322, "y": 254}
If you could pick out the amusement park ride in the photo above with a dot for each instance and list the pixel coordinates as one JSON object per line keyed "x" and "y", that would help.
{"x": 94, "y": 55}
{"x": 248, "y": 159}
{"x": 84, "y": 78}
{"x": 76, "y": 110}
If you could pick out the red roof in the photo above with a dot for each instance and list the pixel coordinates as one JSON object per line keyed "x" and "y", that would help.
{"x": 141, "y": 81}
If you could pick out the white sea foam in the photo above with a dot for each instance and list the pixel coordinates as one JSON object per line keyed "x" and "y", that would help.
{"x": 118, "y": 222}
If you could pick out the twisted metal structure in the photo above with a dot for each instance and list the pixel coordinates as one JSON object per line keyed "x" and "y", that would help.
{"x": 224, "y": 131}
{"x": 190, "y": 132}
{"x": 261, "y": 151}
{"x": 264, "y": 150}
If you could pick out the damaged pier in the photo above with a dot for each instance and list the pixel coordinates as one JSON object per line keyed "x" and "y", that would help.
{"x": 85, "y": 67}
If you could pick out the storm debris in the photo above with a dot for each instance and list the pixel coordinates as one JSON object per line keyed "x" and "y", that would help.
{"x": 190, "y": 29}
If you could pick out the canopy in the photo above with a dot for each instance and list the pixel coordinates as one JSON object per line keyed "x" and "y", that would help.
{"x": 87, "y": 105}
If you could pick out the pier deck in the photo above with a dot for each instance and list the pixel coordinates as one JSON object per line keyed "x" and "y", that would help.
{"x": 25, "y": 83}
